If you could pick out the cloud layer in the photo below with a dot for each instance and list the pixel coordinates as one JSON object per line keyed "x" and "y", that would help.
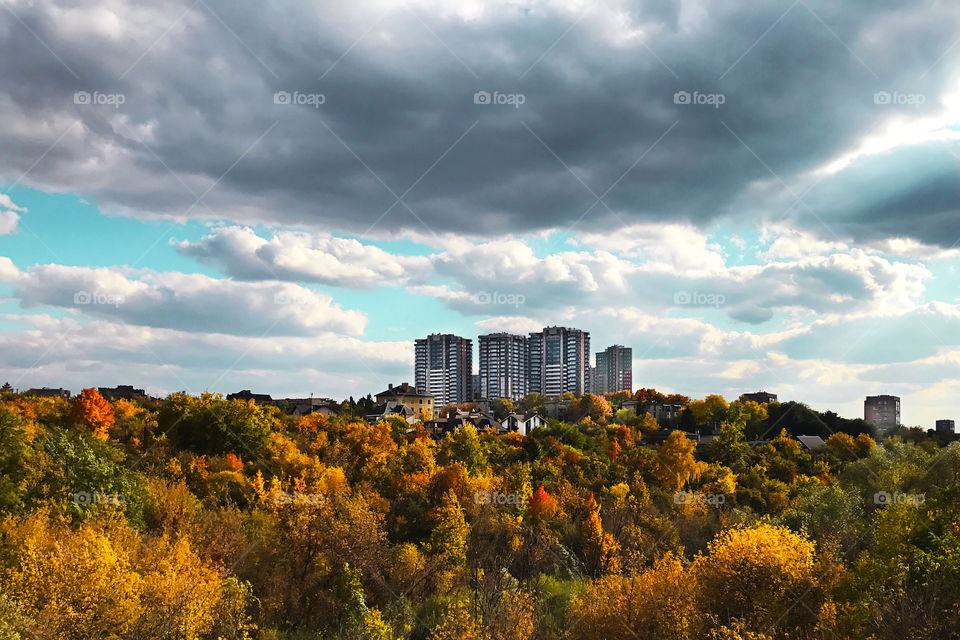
{"x": 206, "y": 110}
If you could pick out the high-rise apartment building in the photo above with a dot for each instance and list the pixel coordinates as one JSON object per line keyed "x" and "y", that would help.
{"x": 503, "y": 366}
{"x": 882, "y": 411}
{"x": 443, "y": 367}
{"x": 614, "y": 370}
{"x": 559, "y": 361}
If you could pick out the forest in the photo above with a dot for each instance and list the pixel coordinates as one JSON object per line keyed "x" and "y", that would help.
{"x": 198, "y": 517}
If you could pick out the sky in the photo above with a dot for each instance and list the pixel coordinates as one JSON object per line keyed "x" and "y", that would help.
{"x": 210, "y": 195}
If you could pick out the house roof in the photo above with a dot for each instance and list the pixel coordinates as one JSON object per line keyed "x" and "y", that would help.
{"x": 389, "y": 409}
{"x": 404, "y": 389}
{"x": 811, "y": 442}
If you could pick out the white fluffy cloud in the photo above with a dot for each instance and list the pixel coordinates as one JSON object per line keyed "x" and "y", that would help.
{"x": 9, "y": 215}
{"x": 68, "y": 352}
{"x": 303, "y": 257}
{"x": 681, "y": 249}
{"x": 186, "y": 301}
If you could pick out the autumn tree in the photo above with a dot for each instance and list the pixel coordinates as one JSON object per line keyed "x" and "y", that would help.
{"x": 502, "y": 407}
{"x": 599, "y": 547}
{"x": 675, "y": 464}
{"x": 531, "y": 403}
{"x": 654, "y": 604}
{"x": 764, "y": 576}
{"x": 590, "y": 406}
{"x": 710, "y": 410}
{"x": 94, "y": 412}
{"x": 450, "y": 533}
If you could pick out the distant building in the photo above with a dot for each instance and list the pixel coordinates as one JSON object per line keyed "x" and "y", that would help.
{"x": 44, "y": 392}
{"x": 475, "y": 387}
{"x": 523, "y": 423}
{"x": 810, "y": 443}
{"x": 503, "y": 367}
{"x": 246, "y": 394}
{"x": 882, "y": 411}
{"x": 458, "y": 419}
{"x": 559, "y": 361}
{"x": 614, "y": 370}
{"x": 946, "y": 426}
{"x": 760, "y": 397}
{"x": 443, "y": 367}
{"x": 660, "y": 436}
{"x": 408, "y": 396}
{"x": 556, "y": 408}
{"x": 307, "y": 406}
{"x": 664, "y": 412}
{"x": 392, "y": 408}
{"x": 125, "y": 391}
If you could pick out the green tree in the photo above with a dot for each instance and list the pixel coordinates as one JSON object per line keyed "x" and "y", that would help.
{"x": 502, "y": 407}
{"x": 209, "y": 424}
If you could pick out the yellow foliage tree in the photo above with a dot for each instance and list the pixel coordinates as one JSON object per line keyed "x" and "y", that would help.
{"x": 654, "y": 604}
{"x": 103, "y": 580}
{"x": 675, "y": 462}
{"x": 843, "y": 445}
{"x": 758, "y": 575}
{"x": 599, "y": 547}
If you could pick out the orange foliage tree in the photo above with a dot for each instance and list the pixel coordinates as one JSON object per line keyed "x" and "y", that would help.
{"x": 94, "y": 412}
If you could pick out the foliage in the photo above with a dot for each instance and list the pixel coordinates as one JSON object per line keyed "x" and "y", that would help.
{"x": 200, "y": 518}
{"x": 210, "y": 424}
{"x": 92, "y": 411}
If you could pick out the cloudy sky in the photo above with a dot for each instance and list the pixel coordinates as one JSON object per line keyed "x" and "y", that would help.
{"x": 281, "y": 196}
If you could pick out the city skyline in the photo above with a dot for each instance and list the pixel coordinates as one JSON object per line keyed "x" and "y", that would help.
{"x": 238, "y": 200}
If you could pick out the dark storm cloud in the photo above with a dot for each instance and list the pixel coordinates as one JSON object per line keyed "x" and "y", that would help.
{"x": 199, "y": 133}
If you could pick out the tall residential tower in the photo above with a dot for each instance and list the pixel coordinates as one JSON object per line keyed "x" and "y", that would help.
{"x": 559, "y": 361}
{"x": 882, "y": 411}
{"x": 503, "y": 366}
{"x": 614, "y": 370}
{"x": 443, "y": 366}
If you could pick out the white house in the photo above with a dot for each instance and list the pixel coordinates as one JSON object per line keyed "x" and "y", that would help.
{"x": 523, "y": 423}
